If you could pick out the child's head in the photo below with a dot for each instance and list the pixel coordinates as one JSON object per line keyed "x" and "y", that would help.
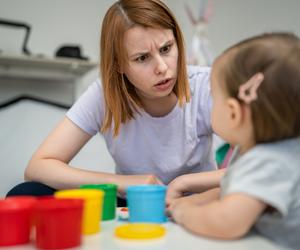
{"x": 274, "y": 113}
{"x": 121, "y": 98}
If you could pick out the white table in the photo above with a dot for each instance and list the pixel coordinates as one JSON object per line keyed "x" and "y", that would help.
{"x": 176, "y": 239}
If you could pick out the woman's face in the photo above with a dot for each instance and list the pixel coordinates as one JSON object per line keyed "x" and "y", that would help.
{"x": 152, "y": 61}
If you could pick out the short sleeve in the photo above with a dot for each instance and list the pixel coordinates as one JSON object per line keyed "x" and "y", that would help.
{"x": 264, "y": 178}
{"x": 88, "y": 111}
{"x": 199, "y": 78}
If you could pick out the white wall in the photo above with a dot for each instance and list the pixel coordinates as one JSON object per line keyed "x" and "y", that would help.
{"x": 54, "y": 23}
{"x": 234, "y": 20}
{"x": 238, "y": 19}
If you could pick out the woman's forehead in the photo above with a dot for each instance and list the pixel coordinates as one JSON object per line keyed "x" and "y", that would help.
{"x": 141, "y": 38}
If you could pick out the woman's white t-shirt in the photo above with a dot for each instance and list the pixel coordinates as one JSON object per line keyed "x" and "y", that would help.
{"x": 169, "y": 146}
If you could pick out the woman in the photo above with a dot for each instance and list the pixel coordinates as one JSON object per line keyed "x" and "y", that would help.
{"x": 153, "y": 111}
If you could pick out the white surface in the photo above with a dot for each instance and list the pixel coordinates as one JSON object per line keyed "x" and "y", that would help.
{"x": 23, "y": 127}
{"x": 176, "y": 239}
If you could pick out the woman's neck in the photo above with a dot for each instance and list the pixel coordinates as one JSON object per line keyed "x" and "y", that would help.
{"x": 160, "y": 107}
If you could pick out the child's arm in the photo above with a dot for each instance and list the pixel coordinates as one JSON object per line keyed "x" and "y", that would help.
{"x": 194, "y": 183}
{"x": 199, "y": 199}
{"x": 228, "y": 218}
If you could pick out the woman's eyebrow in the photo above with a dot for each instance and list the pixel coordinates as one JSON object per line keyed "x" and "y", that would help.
{"x": 141, "y": 53}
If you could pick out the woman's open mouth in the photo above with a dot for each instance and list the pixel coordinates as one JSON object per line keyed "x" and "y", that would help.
{"x": 163, "y": 85}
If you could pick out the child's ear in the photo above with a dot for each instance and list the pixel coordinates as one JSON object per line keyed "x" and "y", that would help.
{"x": 235, "y": 112}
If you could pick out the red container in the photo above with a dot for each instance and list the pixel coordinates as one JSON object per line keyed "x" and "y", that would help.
{"x": 16, "y": 220}
{"x": 58, "y": 223}
{"x": 44, "y": 197}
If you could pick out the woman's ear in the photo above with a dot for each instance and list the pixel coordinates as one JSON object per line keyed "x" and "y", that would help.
{"x": 235, "y": 112}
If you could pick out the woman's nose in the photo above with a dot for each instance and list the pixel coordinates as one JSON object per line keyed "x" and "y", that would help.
{"x": 161, "y": 66}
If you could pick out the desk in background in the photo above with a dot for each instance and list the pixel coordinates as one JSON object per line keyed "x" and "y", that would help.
{"x": 43, "y": 69}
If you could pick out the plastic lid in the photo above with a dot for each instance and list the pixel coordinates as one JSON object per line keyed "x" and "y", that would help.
{"x": 107, "y": 187}
{"x": 58, "y": 204}
{"x": 80, "y": 193}
{"x": 15, "y": 203}
{"x": 146, "y": 188}
{"x": 140, "y": 231}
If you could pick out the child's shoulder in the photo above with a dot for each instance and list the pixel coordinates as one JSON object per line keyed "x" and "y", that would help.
{"x": 280, "y": 149}
{"x": 283, "y": 153}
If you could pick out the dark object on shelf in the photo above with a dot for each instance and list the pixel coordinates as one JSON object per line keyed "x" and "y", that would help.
{"x": 32, "y": 98}
{"x": 70, "y": 52}
{"x": 19, "y": 25}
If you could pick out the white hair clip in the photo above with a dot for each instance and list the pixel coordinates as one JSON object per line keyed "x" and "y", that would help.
{"x": 247, "y": 91}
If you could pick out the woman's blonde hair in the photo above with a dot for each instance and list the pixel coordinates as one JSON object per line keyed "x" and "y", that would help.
{"x": 275, "y": 112}
{"x": 121, "y": 100}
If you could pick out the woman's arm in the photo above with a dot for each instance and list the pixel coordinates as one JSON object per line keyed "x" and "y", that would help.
{"x": 49, "y": 164}
{"x": 228, "y": 218}
{"x": 194, "y": 183}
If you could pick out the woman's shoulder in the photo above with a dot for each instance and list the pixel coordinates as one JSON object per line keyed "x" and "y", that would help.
{"x": 96, "y": 85}
{"x": 195, "y": 71}
{"x": 199, "y": 79}
{"x": 93, "y": 92}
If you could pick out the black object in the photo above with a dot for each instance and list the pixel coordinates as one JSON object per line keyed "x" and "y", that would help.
{"x": 19, "y": 25}
{"x": 39, "y": 189}
{"x": 71, "y": 52}
{"x": 31, "y": 188}
{"x": 31, "y": 98}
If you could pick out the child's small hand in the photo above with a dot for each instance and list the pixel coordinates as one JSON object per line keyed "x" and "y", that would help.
{"x": 177, "y": 208}
{"x": 176, "y": 189}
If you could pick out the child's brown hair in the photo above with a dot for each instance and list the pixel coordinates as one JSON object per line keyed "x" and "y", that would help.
{"x": 276, "y": 111}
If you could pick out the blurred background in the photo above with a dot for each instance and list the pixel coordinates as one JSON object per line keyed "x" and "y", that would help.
{"x": 37, "y": 89}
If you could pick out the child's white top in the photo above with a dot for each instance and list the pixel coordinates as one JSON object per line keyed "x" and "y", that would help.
{"x": 168, "y": 146}
{"x": 271, "y": 173}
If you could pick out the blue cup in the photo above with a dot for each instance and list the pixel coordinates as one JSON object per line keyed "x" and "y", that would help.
{"x": 146, "y": 203}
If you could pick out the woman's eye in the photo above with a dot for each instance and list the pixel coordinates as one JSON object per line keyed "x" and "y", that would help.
{"x": 165, "y": 49}
{"x": 141, "y": 58}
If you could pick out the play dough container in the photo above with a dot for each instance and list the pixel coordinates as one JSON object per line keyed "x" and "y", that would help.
{"x": 140, "y": 231}
{"x": 109, "y": 201}
{"x": 146, "y": 203}
{"x": 92, "y": 209}
{"x": 16, "y": 220}
{"x": 58, "y": 223}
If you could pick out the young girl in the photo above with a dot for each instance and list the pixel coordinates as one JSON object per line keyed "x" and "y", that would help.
{"x": 256, "y": 99}
{"x": 153, "y": 111}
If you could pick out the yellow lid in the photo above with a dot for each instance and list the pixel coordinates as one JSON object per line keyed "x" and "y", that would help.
{"x": 80, "y": 193}
{"x": 140, "y": 231}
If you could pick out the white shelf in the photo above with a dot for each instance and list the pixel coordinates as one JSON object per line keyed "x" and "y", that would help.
{"x": 43, "y": 68}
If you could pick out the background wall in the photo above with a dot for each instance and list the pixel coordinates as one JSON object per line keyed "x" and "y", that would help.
{"x": 59, "y": 22}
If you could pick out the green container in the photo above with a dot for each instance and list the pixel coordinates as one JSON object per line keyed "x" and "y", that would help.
{"x": 109, "y": 201}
